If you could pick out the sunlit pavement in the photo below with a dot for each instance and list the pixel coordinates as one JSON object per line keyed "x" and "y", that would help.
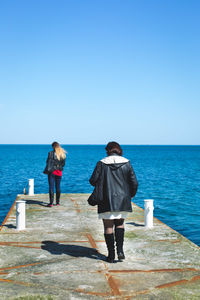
{"x": 61, "y": 254}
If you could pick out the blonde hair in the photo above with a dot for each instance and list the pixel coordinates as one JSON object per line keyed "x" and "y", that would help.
{"x": 60, "y": 152}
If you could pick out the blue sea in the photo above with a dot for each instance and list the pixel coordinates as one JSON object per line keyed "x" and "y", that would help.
{"x": 168, "y": 174}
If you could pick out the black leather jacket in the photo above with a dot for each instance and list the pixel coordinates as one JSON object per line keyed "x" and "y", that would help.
{"x": 117, "y": 183}
{"x": 54, "y": 163}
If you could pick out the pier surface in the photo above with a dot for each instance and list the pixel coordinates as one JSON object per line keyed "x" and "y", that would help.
{"x": 61, "y": 255}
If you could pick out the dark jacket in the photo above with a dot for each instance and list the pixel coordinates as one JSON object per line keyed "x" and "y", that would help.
{"x": 53, "y": 163}
{"x": 117, "y": 184}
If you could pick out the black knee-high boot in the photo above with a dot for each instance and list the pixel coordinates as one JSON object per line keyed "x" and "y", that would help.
{"x": 109, "y": 238}
{"x": 57, "y": 197}
{"x": 119, "y": 238}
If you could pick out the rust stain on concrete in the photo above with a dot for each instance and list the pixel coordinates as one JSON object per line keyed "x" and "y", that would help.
{"x": 21, "y": 266}
{"x": 17, "y": 245}
{"x": 8, "y": 213}
{"x": 195, "y": 278}
{"x": 76, "y": 205}
{"x": 113, "y": 285}
{"x": 40, "y": 242}
{"x": 152, "y": 271}
{"x": 15, "y": 282}
{"x": 170, "y": 241}
{"x": 174, "y": 283}
{"x": 91, "y": 241}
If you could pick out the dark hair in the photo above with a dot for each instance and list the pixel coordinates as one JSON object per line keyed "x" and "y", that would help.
{"x": 113, "y": 147}
{"x": 55, "y": 144}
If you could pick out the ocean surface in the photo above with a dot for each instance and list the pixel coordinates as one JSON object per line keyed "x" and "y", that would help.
{"x": 168, "y": 174}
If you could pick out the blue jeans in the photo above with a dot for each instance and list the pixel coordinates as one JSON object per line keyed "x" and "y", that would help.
{"x": 54, "y": 179}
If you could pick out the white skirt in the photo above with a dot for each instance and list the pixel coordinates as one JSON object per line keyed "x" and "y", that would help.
{"x": 113, "y": 215}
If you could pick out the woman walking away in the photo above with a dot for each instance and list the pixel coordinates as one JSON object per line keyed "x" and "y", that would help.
{"x": 54, "y": 167}
{"x": 115, "y": 184}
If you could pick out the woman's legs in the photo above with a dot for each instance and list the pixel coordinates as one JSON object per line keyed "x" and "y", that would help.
{"x": 108, "y": 226}
{"x": 57, "y": 183}
{"x": 51, "y": 179}
{"x": 119, "y": 223}
{"x": 109, "y": 238}
{"x": 119, "y": 237}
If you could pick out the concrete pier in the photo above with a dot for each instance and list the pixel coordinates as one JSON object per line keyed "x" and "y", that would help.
{"x": 61, "y": 255}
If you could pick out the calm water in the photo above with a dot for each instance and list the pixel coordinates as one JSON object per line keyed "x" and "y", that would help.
{"x": 168, "y": 174}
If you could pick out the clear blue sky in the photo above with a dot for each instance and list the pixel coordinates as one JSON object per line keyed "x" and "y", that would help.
{"x": 91, "y": 71}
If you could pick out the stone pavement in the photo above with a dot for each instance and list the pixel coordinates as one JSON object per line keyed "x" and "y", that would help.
{"x": 61, "y": 255}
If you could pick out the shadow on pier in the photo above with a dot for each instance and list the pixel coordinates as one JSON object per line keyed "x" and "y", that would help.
{"x": 72, "y": 250}
{"x": 135, "y": 224}
{"x": 34, "y": 202}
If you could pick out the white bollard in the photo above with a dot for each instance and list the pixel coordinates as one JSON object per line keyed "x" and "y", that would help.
{"x": 148, "y": 213}
{"x": 20, "y": 215}
{"x": 31, "y": 187}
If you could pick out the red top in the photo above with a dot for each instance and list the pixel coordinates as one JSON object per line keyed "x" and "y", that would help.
{"x": 57, "y": 172}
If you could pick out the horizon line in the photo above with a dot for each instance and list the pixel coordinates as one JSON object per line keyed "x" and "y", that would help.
{"x": 89, "y": 144}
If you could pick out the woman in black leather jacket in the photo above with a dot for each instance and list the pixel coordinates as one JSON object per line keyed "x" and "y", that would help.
{"x": 115, "y": 184}
{"x": 54, "y": 167}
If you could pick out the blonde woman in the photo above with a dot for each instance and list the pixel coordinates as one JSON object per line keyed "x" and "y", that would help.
{"x": 54, "y": 167}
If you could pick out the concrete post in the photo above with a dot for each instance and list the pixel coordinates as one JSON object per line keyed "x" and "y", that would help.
{"x": 148, "y": 213}
{"x": 31, "y": 187}
{"x": 20, "y": 215}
